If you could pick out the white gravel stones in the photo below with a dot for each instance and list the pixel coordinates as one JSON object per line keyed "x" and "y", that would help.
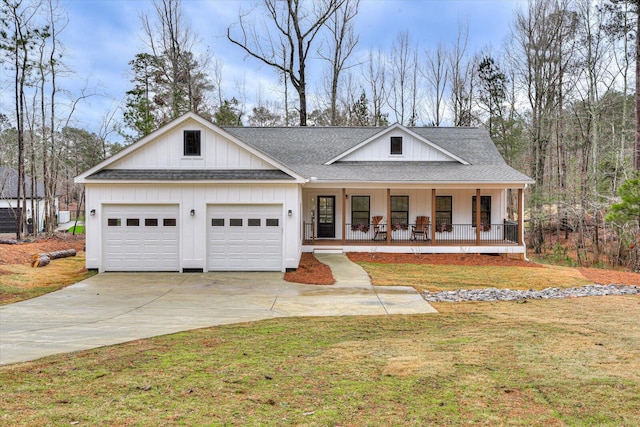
{"x": 494, "y": 294}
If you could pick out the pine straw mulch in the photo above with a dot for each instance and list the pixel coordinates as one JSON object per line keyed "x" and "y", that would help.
{"x": 21, "y": 252}
{"x": 310, "y": 271}
{"x": 439, "y": 259}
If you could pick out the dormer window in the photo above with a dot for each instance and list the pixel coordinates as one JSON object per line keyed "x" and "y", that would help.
{"x": 192, "y": 143}
{"x": 396, "y": 145}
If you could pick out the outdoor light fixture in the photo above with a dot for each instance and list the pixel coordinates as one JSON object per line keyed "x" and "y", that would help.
{"x": 93, "y": 212}
{"x": 290, "y": 213}
{"x": 193, "y": 212}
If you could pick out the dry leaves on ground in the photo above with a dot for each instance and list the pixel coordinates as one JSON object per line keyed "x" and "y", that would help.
{"x": 21, "y": 252}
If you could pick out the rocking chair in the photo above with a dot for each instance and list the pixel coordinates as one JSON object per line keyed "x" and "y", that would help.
{"x": 421, "y": 228}
{"x": 378, "y": 228}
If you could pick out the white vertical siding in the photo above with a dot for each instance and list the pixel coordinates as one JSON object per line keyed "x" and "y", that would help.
{"x": 413, "y": 149}
{"x": 193, "y": 229}
{"x": 166, "y": 152}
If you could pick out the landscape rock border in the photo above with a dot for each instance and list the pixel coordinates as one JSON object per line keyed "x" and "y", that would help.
{"x": 495, "y": 294}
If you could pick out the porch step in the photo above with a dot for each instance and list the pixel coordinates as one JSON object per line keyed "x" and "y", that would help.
{"x": 328, "y": 251}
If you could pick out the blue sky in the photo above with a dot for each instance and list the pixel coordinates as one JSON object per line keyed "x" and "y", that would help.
{"x": 102, "y": 36}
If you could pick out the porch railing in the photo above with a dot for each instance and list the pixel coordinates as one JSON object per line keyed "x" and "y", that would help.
{"x": 505, "y": 233}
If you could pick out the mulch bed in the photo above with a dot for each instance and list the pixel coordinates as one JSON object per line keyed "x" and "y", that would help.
{"x": 609, "y": 277}
{"x": 311, "y": 271}
{"x": 436, "y": 259}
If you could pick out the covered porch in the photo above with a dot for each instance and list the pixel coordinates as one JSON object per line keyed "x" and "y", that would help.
{"x": 445, "y": 219}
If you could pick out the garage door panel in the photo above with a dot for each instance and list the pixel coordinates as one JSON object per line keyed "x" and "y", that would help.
{"x": 141, "y": 238}
{"x": 240, "y": 239}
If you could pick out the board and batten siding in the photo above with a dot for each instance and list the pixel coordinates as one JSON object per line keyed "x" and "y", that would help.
{"x": 192, "y": 229}
{"x": 419, "y": 203}
{"x": 166, "y": 152}
{"x": 412, "y": 150}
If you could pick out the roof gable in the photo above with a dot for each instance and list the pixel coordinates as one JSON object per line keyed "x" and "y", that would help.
{"x": 163, "y": 150}
{"x": 413, "y": 148}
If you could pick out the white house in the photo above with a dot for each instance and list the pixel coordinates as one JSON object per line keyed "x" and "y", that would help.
{"x": 9, "y": 201}
{"x": 192, "y": 196}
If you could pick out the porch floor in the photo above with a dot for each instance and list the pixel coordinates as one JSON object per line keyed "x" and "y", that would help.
{"x": 460, "y": 242}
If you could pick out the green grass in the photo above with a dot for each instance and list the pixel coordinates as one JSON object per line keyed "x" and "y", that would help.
{"x": 544, "y": 363}
{"x": 77, "y": 229}
{"x": 449, "y": 277}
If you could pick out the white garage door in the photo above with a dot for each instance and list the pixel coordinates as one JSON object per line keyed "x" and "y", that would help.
{"x": 140, "y": 238}
{"x": 244, "y": 238}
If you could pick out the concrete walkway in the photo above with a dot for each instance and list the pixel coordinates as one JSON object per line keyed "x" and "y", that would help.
{"x": 112, "y": 308}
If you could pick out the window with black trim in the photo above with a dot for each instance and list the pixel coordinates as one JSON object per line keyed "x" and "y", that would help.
{"x": 169, "y": 222}
{"x": 444, "y": 211}
{"x": 253, "y": 222}
{"x": 235, "y": 222}
{"x": 133, "y": 222}
{"x": 113, "y": 222}
{"x": 485, "y": 211}
{"x": 192, "y": 143}
{"x": 396, "y": 145}
{"x": 273, "y": 222}
{"x": 400, "y": 211}
{"x": 151, "y": 222}
{"x": 217, "y": 222}
{"x": 360, "y": 210}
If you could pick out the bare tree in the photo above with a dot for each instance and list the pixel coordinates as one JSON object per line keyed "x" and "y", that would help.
{"x": 287, "y": 38}
{"x": 461, "y": 74}
{"x": 436, "y": 73}
{"x": 376, "y": 77}
{"x": 342, "y": 42}
{"x": 540, "y": 35}
{"x": 403, "y": 70}
{"x": 17, "y": 37}
{"x": 182, "y": 81}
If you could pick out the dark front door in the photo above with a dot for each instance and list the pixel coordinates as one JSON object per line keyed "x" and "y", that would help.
{"x": 326, "y": 216}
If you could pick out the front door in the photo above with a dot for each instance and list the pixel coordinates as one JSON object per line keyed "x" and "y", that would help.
{"x": 326, "y": 216}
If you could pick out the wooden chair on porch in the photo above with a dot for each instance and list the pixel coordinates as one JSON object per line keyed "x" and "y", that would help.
{"x": 379, "y": 229}
{"x": 421, "y": 228}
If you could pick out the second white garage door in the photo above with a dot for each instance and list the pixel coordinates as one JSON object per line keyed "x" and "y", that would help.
{"x": 244, "y": 238}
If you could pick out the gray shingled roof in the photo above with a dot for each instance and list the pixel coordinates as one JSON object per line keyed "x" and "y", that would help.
{"x": 189, "y": 174}
{"x": 9, "y": 185}
{"x": 306, "y": 150}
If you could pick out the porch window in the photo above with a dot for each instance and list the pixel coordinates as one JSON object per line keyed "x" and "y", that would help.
{"x": 396, "y": 145}
{"x": 400, "y": 211}
{"x": 444, "y": 210}
{"x": 360, "y": 210}
{"x": 485, "y": 211}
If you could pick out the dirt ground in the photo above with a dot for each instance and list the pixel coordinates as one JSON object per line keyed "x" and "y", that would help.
{"x": 21, "y": 252}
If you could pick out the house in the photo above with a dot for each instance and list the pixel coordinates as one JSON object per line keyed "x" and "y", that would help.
{"x": 9, "y": 201}
{"x": 192, "y": 196}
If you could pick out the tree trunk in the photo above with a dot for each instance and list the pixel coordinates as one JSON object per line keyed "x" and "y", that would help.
{"x": 636, "y": 148}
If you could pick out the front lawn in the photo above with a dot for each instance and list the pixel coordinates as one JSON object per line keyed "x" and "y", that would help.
{"x": 541, "y": 363}
{"x": 436, "y": 273}
{"x": 436, "y": 278}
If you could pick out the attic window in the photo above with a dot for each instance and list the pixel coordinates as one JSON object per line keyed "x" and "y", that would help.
{"x": 192, "y": 143}
{"x": 396, "y": 145}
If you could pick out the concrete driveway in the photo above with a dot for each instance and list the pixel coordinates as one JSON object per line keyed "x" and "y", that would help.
{"x": 112, "y": 308}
